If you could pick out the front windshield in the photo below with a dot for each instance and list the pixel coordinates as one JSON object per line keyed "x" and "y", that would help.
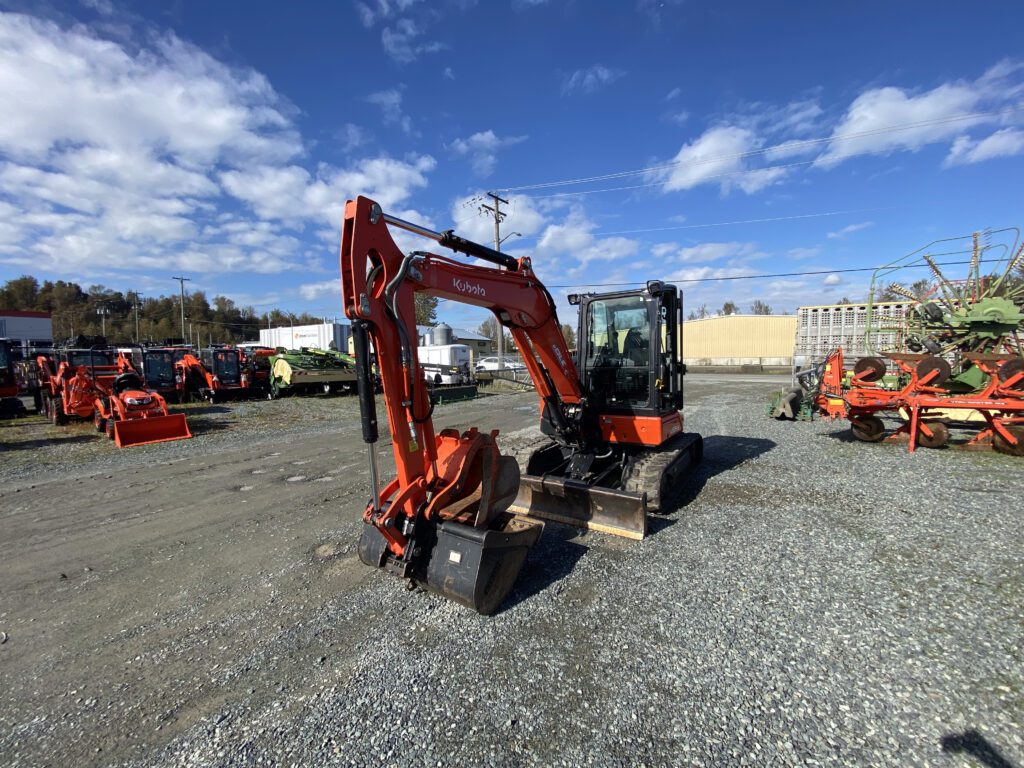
{"x": 159, "y": 367}
{"x": 226, "y": 366}
{"x": 5, "y": 359}
{"x": 90, "y": 358}
{"x": 618, "y": 348}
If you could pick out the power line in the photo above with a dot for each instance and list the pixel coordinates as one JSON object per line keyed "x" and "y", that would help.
{"x": 787, "y": 146}
{"x": 735, "y": 223}
{"x": 780, "y": 274}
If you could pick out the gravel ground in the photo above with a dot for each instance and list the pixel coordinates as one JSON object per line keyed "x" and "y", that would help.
{"x": 813, "y": 601}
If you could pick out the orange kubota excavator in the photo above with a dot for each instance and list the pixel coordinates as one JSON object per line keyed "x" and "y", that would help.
{"x": 459, "y": 517}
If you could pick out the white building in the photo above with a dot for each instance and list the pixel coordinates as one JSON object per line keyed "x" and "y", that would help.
{"x": 26, "y": 327}
{"x": 318, "y": 336}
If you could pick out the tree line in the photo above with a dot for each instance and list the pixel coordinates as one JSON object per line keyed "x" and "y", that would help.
{"x": 127, "y": 316}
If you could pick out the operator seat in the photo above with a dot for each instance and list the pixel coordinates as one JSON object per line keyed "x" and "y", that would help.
{"x": 633, "y": 347}
{"x": 125, "y": 382}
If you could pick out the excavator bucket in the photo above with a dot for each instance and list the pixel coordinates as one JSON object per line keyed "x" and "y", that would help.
{"x": 570, "y": 502}
{"x": 156, "y": 429}
{"x": 474, "y": 565}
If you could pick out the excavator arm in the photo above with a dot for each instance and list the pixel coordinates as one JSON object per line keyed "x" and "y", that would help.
{"x": 443, "y": 479}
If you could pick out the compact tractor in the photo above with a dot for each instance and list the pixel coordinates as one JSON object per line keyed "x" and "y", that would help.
{"x": 157, "y": 368}
{"x": 460, "y": 517}
{"x": 95, "y": 384}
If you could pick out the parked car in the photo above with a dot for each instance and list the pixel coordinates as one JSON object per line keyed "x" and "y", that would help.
{"x": 491, "y": 364}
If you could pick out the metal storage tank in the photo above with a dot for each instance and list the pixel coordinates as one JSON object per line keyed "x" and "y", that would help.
{"x": 441, "y": 335}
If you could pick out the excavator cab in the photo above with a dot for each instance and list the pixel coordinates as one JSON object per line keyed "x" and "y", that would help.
{"x": 633, "y": 453}
{"x": 629, "y": 359}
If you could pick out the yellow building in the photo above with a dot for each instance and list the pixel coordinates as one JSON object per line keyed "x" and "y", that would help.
{"x": 747, "y": 340}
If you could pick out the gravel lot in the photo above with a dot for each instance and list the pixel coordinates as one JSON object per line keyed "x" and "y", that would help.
{"x": 814, "y": 601}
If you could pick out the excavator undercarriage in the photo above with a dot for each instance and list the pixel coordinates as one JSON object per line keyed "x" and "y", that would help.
{"x": 460, "y": 517}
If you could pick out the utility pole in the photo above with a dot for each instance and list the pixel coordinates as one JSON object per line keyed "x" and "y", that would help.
{"x": 183, "y": 280}
{"x": 499, "y": 216}
{"x": 135, "y": 306}
{"x": 102, "y": 310}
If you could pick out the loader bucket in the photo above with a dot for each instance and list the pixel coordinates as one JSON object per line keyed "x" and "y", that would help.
{"x": 473, "y": 566}
{"x": 571, "y": 502}
{"x": 156, "y": 429}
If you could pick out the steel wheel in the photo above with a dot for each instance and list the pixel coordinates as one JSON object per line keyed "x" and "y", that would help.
{"x": 869, "y": 369}
{"x": 930, "y": 364}
{"x": 1009, "y": 369}
{"x": 869, "y": 429}
{"x": 98, "y": 421}
{"x": 940, "y": 435}
{"x": 1003, "y": 445}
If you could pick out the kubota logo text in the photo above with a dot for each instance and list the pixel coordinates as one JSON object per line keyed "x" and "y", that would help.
{"x": 468, "y": 288}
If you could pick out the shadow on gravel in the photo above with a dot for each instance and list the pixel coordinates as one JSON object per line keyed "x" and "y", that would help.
{"x": 26, "y": 445}
{"x": 721, "y": 453}
{"x": 977, "y": 746}
{"x": 200, "y": 427}
{"x": 550, "y": 560}
{"x": 203, "y": 410}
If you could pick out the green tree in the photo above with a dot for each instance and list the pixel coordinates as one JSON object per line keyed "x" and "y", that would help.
{"x": 569, "y": 334}
{"x": 760, "y": 308}
{"x": 22, "y": 293}
{"x": 426, "y": 309}
{"x": 729, "y": 308}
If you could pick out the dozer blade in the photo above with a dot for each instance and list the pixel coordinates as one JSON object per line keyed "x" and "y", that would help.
{"x": 473, "y": 566}
{"x": 156, "y": 429}
{"x": 571, "y": 502}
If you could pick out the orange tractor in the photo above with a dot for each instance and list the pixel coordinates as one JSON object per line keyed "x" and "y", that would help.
{"x": 90, "y": 384}
{"x": 9, "y": 386}
{"x": 219, "y": 373}
{"x": 459, "y": 517}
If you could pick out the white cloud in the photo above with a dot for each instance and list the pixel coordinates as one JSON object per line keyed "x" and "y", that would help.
{"x": 400, "y": 44}
{"x": 799, "y": 254}
{"x": 673, "y": 94}
{"x": 1003, "y": 143}
{"x": 448, "y": 74}
{"x": 833, "y": 280}
{"x": 931, "y": 114}
{"x": 313, "y": 291}
{"x": 718, "y": 155}
{"x": 117, "y": 160}
{"x": 374, "y": 11}
{"x": 590, "y": 79}
{"x": 293, "y": 194}
{"x": 390, "y": 103}
{"x": 351, "y": 137}
{"x": 848, "y": 230}
{"x": 522, "y": 215}
{"x": 482, "y": 149}
{"x": 65, "y": 87}
{"x": 706, "y": 252}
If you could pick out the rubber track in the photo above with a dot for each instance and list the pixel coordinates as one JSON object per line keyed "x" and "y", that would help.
{"x": 651, "y": 471}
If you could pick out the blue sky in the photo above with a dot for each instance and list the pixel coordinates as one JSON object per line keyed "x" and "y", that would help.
{"x": 220, "y": 140}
